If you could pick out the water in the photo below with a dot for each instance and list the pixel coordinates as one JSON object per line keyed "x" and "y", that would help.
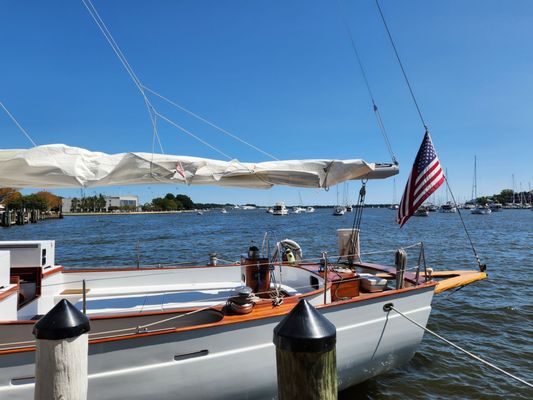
{"x": 492, "y": 318}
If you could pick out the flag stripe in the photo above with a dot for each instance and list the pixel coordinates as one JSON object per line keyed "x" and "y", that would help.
{"x": 425, "y": 178}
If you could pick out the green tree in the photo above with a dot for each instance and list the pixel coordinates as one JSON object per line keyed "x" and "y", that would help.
{"x": 505, "y": 196}
{"x": 185, "y": 201}
{"x": 74, "y": 204}
{"x": 101, "y": 203}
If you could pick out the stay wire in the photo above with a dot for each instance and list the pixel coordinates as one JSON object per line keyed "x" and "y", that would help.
{"x": 122, "y": 58}
{"x": 377, "y": 114}
{"x": 18, "y": 125}
{"x": 482, "y": 267}
{"x": 401, "y": 65}
{"x": 204, "y": 120}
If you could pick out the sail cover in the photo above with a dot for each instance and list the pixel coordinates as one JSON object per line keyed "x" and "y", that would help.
{"x": 61, "y": 166}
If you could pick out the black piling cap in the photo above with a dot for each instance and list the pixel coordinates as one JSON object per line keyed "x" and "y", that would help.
{"x": 64, "y": 321}
{"x": 305, "y": 330}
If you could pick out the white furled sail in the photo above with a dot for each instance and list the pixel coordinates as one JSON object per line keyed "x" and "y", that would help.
{"x": 61, "y": 166}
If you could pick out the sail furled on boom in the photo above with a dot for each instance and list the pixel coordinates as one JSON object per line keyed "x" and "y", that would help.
{"x": 61, "y": 166}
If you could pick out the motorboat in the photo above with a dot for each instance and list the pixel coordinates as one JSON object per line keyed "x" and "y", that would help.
{"x": 310, "y": 209}
{"x": 448, "y": 208}
{"x": 280, "y": 209}
{"x": 339, "y": 210}
{"x": 223, "y": 211}
{"x": 298, "y": 210}
{"x": 432, "y": 208}
{"x": 421, "y": 212}
{"x": 495, "y": 207}
{"x": 481, "y": 210}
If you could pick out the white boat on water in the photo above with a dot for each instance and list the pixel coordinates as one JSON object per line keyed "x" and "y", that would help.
{"x": 310, "y": 209}
{"x": 298, "y": 210}
{"x": 223, "y": 211}
{"x": 481, "y": 210}
{"x": 339, "y": 210}
{"x": 280, "y": 209}
{"x": 496, "y": 207}
{"x": 422, "y": 212}
{"x": 448, "y": 208}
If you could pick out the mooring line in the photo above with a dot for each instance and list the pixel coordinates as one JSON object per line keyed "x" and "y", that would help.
{"x": 389, "y": 307}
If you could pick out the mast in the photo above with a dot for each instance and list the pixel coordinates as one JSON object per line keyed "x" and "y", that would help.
{"x": 393, "y": 192}
{"x": 446, "y": 186}
{"x": 475, "y": 179}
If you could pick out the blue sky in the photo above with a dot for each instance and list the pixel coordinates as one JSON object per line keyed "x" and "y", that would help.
{"x": 281, "y": 75}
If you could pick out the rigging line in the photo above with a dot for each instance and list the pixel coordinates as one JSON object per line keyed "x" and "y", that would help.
{"x": 482, "y": 267}
{"x": 208, "y": 122}
{"x": 114, "y": 45}
{"x": 181, "y": 128}
{"x": 18, "y": 125}
{"x": 377, "y": 114}
{"x": 391, "y": 307}
{"x": 122, "y": 58}
{"x": 401, "y": 65}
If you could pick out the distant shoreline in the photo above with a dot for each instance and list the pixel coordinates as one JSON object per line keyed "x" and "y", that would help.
{"x": 81, "y": 214}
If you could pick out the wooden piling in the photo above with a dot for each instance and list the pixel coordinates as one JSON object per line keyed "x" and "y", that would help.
{"x": 62, "y": 354}
{"x": 305, "y": 355}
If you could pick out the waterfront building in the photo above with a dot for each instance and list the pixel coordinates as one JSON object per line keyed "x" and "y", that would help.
{"x": 109, "y": 203}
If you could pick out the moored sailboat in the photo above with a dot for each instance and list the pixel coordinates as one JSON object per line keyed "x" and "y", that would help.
{"x": 198, "y": 323}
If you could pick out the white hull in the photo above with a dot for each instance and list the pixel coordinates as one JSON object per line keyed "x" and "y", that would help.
{"x": 237, "y": 361}
{"x": 480, "y": 211}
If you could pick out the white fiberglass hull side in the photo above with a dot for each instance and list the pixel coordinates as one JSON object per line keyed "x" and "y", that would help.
{"x": 238, "y": 360}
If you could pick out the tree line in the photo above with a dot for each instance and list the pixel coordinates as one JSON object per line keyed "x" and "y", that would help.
{"x": 507, "y": 196}
{"x": 177, "y": 202}
{"x": 89, "y": 204}
{"x": 42, "y": 201}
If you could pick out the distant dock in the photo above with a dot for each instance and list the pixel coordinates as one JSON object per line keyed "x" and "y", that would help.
{"x": 9, "y": 218}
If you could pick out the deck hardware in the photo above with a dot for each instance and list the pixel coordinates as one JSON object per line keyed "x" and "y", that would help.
{"x": 400, "y": 259}
{"x": 25, "y": 380}
{"x": 84, "y": 296}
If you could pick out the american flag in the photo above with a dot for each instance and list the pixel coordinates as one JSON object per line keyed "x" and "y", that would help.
{"x": 425, "y": 178}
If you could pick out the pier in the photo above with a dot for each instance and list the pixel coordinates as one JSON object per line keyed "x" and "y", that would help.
{"x": 9, "y": 217}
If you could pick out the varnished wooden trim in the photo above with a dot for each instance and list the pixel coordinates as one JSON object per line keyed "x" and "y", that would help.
{"x": 261, "y": 311}
{"x": 9, "y": 292}
{"x": 53, "y": 271}
{"x": 124, "y": 269}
